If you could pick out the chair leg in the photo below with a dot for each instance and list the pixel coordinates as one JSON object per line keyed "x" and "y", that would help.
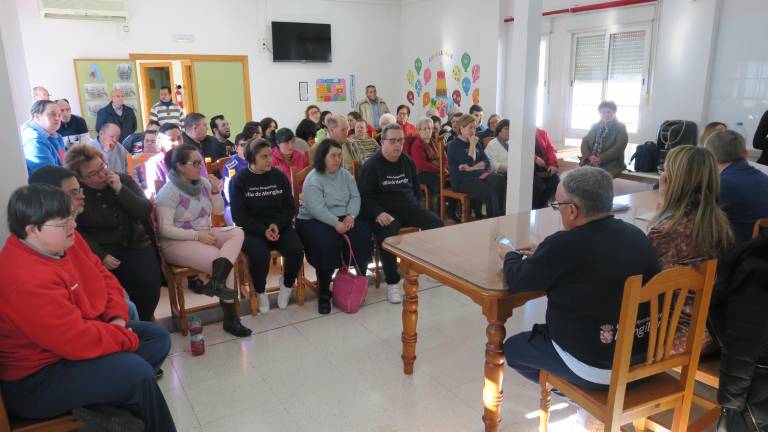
{"x": 545, "y": 401}
{"x": 300, "y": 286}
{"x": 442, "y": 205}
{"x": 465, "y": 209}
{"x": 639, "y": 425}
{"x": 183, "y": 321}
{"x": 376, "y": 266}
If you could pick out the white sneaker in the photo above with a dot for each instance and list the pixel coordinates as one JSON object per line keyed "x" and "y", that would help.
{"x": 589, "y": 423}
{"x": 393, "y": 293}
{"x": 263, "y": 303}
{"x": 284, "y": 295}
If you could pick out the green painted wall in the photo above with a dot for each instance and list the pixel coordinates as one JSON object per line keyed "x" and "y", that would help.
{"x": 97, "y": 78}
{"x": 219, "y": 89}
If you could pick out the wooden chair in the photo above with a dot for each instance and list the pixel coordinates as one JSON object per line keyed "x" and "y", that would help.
{"x": 138, "y": 160}
{"x": 65, "y": 423}
{"x": 760, "y": 226}
{"x": 446, "y": 192}
{"x": 655, "y": 390}
{"x": 215, "y": 167}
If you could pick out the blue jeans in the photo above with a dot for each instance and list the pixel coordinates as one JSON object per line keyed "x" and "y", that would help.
{"x": 124, "y": 380}
{"x": 530, "y": 352}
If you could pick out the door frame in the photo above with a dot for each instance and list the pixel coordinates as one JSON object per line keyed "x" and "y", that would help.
{"x": 146, "y": 101}
{"x": 243, "y": 59}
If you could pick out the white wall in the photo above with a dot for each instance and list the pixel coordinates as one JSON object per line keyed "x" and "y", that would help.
{"x": 366, "y": 42}
{"x": 21, "y": 90}
{"x": 434, "y": 25}
{"x": 739, "y": 84}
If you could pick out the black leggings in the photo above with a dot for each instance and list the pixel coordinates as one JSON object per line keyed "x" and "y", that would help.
{"x": 491, "y": 190}
{"x": 258, "y": 250}
{"x": 139, "y": 273}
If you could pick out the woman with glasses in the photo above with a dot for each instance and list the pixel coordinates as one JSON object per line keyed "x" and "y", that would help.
{"x": 263, "y": 205}
{"x": 424, "y": 149}
{"x": 184, "y": 208}
{"x": 470, "y": 168}
{"x": 116, "y": 224}
{"x": 403, "y": 114}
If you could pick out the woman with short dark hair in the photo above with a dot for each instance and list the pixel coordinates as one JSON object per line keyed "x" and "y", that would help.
{"x": 604, "y": 145}
{"x": 64, "y": 330}
{"x": 187, "y": 238}
{"x": 403, "y": 114}
{"x": 329, "y": 212}
{"x": 263, "y": 205}
{"x": 268, "y": 128}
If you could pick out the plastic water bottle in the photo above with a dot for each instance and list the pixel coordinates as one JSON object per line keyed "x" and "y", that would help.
{"x": 741, "y": 129}
{"x": 196, "y": 340}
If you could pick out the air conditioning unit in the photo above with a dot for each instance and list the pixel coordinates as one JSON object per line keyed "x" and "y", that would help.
{"x": 111, "y": 10}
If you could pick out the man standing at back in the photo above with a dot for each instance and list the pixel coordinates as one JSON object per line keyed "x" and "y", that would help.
{"x": 118, "y": 113}
{"x": 372, "y": 107}
{"x": 40, "y": 93}
{"x": 392, "y": 199}
{"x": 165, "y": 111}
{"x": 743, "y": 188}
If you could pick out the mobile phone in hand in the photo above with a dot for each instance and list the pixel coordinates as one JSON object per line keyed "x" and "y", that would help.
{"x": 504, "y": 240}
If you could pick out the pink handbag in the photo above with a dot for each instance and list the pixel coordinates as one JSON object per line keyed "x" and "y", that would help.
{"x": 349, "y": 290}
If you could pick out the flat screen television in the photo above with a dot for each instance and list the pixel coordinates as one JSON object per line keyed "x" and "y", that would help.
{"x": 301, "y": 42}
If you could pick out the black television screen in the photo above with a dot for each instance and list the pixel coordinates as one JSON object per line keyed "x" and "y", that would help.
{"x": 301, "y": 42}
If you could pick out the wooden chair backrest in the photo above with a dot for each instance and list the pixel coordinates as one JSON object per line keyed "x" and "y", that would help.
{"x": 355, "y": 168}
{"x": 441, "y": 156}
{"x": 215, "y": 167}
{"x": 760, "y": 226}
{"x": 296, "y": 185}
{"x": 666, "y": 294}
{"x": 138, "y": 160}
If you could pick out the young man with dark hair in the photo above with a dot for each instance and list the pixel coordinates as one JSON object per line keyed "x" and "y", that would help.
{"x": 221, "y": 131}
{"x": 73, "y": 129}
{"x": 165, "y": 111}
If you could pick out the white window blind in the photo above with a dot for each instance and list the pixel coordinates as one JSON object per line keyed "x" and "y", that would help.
{"x": 590, "y": 55}
{"x": 626, "y": 56}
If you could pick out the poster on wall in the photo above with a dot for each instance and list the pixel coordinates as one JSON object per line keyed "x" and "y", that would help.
{"x": 96, "y": 78}
{"x": 429, "y": 77}
{"x": 303, "y": 91}
{"x": 352, "y": 88}
{"x": 96, "y": 92}
{"x": 331, "y": 90}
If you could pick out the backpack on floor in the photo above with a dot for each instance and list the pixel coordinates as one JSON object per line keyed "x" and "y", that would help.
{"x": 646, "y": 157}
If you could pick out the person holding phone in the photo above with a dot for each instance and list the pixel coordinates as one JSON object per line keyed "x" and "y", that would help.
{"x": 470, "y": 168}
{"x": 184, "y": 208}
{"x": 263, "y": 205}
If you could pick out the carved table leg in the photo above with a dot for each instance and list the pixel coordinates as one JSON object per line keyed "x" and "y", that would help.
{"x": 494, "y": 374}
{"x": 410, "y": 316}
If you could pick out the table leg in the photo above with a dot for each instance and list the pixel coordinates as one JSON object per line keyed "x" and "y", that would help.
{"x": 494, "y": 374}
{"x": 410, "y": 316}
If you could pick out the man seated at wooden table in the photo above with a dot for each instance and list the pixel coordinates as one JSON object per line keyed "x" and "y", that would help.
{"x": 582, "y": 269}
{"x": 392, "y": 199}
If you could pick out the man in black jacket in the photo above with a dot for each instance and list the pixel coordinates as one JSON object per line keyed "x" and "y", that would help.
{"x": 196, "y": 133}
{"x": 583, "y": 270}
{"x": 118, "y": 113}
{"x": 737, "y": 320}
{"x": 392, "y": 199}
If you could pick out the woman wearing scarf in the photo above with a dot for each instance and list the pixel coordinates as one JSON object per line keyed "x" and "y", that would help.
{"x": 184, "y": 208}
{"x": 604, "y": 145}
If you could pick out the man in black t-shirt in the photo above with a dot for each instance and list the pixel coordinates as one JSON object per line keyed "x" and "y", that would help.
{"x": 73, "y": 129}
{"x": 392, "y": 199}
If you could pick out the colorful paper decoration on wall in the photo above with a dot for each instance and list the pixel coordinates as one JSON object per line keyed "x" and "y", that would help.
{"x": 476, "y": 96}
{"x": 426, "y": 100}
{"x": 475, "y": 73}
{"x": 94, "y": 73}
{"x": 427, "y": 76}
{"x": 442, "y": 89}
{"x": 410, "y": 77}
{"x": 456, "y": 73}
{"x": 417, "y": 65}
{"x": 419, "y": 87}
{"x": 456, "y": 95}
{"x": 331, "y": 90}
{"x": 466, "y": 85}
{"x": 465, "y": 61}
{"x": 409, "y": 97}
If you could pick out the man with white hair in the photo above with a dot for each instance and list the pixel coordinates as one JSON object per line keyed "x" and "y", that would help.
{"x": 40, "y": 93}
{"x": 114, "y": 153}
{"x": 386, "y": 119}
{"x": 118, "y": 113}
{"x": 595, "y": 254}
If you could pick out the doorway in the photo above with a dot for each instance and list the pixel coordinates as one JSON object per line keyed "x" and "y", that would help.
{"x": 153, "y": 77}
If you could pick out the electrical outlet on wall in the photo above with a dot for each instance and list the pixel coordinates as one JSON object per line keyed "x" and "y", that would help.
{"x": 263, "y": 44}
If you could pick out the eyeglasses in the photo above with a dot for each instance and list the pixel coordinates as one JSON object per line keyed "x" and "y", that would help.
{"x": 99, "y": 171}
{"x": 68, "y": 222}
{"x": 395, "y": 140}
{"x": 195, "y": 163}
{"x": 74, "y": 193}
{"x": 556, "y": 205}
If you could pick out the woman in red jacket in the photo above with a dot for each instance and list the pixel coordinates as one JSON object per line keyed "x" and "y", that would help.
{"x": 423, "y": 149}
{"x": 64, "y": 340}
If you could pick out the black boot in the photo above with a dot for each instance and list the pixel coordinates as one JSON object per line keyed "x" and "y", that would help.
{"x": 232, "y": 324}
{"x": 196, "y": 285}
{"x": 217, "y": 286}
{"x": 324, "y": 303}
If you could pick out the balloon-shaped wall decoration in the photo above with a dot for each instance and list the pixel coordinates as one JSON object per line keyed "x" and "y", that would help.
{"x": 466, "y": 85}
{"x": 426, "y": 99}
{"x": 476, "y": 96}
{"x": 427, "y": 76}
{"x": 410, "y": 77}
{"x": 475, "y": 73}
{"x": 409, "y": 96}
{"x": 456, "y": 74}
{"x": 417, "y": 65}
{"x": 456, "y": 97}
{"x": 465, "y": 61}
{"x": 419, "y": 87}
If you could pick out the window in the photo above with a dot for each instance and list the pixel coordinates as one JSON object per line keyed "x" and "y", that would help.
{"x": 541, "y": 93}
{"x": 608, "y": 66}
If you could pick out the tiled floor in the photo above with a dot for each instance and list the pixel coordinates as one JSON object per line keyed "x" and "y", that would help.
{"x": 304, "y": 372}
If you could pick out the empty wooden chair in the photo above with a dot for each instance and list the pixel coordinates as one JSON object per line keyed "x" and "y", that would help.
{"x": 654, "y": 389}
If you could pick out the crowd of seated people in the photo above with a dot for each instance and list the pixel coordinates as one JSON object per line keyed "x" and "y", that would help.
{"x": 328, "y": 191}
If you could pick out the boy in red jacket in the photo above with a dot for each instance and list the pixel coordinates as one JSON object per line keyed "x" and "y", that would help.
{"x": 64, "y": 339}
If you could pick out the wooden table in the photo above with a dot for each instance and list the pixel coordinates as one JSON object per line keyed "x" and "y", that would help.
{"x": 464, "y": 258}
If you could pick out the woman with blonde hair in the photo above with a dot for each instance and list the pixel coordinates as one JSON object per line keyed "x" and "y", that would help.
{"x": 711, "y": 129}
{"x": 689, "y": 226}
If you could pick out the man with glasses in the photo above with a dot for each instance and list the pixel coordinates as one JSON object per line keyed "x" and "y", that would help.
{"x": 583, "y": 269}
{"x": 392, "y": 199}
{"x": 109, "y": 142}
